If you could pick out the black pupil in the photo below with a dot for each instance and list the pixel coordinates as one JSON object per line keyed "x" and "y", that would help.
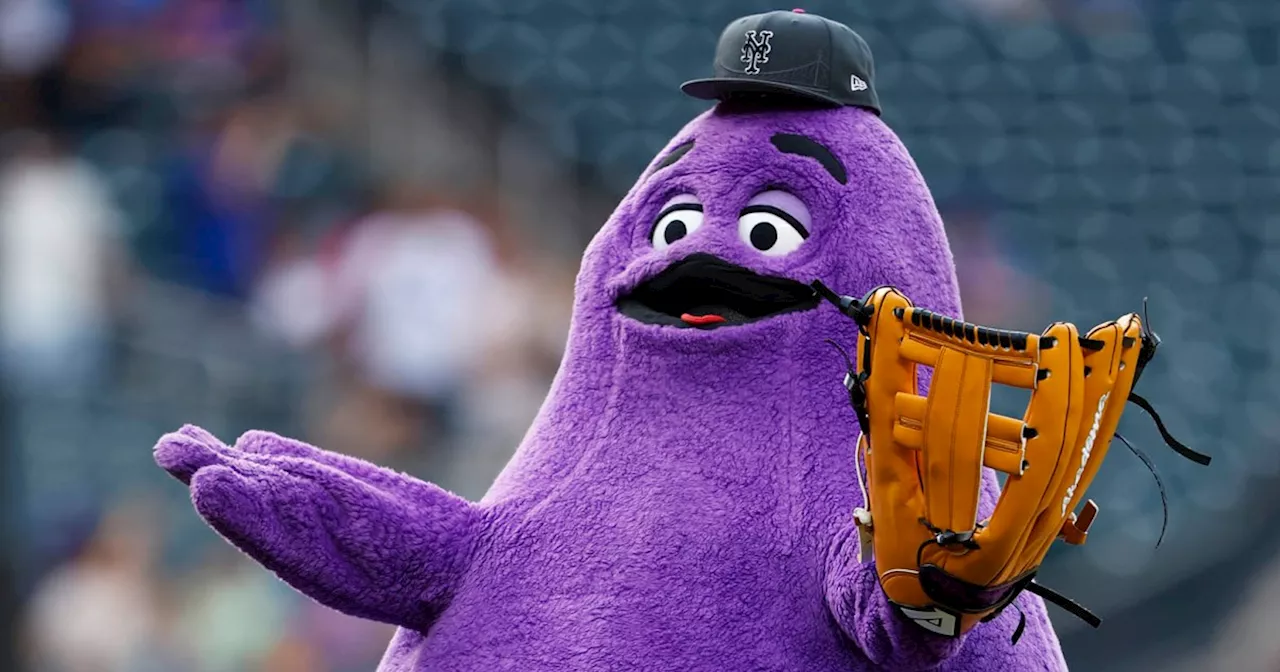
{"x": 675, "y": 231}
{"x": 763, "y": 236}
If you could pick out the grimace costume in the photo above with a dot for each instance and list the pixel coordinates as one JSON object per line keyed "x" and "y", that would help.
{"x": 683, "y": 499}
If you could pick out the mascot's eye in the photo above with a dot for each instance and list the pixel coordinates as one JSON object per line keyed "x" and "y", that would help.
{"x": 675, "y": 223}
{"x": 770, "y": 230}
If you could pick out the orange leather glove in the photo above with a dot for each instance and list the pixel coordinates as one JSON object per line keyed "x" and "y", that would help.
{"x": 937, "y": 562}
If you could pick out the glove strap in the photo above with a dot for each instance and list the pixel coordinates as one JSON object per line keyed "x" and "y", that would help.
{"x": 1150, "y": 342}
{"x": 1065, "y": 603}
{"x": 1151, "y": 467}
{"x": 1176, "y": 445}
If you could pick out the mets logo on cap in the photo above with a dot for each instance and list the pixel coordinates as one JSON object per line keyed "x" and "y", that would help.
{"x": 755, "y": 50}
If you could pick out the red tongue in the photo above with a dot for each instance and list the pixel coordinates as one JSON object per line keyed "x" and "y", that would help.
{"x": 700, "y": 320}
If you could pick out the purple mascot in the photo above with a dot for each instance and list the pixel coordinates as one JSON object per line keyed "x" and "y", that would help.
{"x": 683, "y": 500}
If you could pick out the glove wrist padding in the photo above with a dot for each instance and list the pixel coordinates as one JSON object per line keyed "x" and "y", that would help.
{"x": 926, "y": 454}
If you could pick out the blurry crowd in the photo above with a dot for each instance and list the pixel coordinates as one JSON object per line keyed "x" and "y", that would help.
{"x": 164, "y": 194}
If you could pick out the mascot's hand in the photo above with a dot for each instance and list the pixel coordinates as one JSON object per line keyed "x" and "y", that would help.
{"x": 940, "y": 562}
{"x": 364, "y": 540}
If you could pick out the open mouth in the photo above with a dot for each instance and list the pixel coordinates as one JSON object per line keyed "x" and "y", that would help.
{"x": 707, "y": 292}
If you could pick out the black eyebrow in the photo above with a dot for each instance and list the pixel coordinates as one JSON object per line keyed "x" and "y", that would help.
{"x": 673, "y": 156}
{"x": 777, "y": 212}
{"x": 802, "y": 145}
{"x": 674, "y": 207}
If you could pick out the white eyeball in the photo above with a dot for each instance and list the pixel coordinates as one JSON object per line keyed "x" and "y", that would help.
{"x": 771, "y": 231}
{"x": 674, "y": 223}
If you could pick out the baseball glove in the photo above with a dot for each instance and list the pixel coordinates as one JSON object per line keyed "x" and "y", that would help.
{"x": 938, "y": 563}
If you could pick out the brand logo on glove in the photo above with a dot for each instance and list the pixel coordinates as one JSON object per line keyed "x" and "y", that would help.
{"x": 1084, "y": 455}
{"x": 756, "y": 50}
{"x": 934, "y": 620}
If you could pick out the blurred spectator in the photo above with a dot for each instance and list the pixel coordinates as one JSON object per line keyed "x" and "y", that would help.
{"x": 407, "y": 293}
{"x": 219, "y": 196}
{"x": 205, "y": 31}
{"x": 522, "y": 347}
{"x": 292, "y": 300}
{"x": 293, "y": 654}
{"x": 100, "y": 611}
{"x": 62, "y": 263}
{"x": 32, "y": 34}
{"x": 412, "y": 292}
{"x": 232, "y": 612}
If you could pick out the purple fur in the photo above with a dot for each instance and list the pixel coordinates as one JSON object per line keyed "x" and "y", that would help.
{"x": 683, "y": 500}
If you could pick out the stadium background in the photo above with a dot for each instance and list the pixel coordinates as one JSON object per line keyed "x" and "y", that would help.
{"x": 358, "y": 223}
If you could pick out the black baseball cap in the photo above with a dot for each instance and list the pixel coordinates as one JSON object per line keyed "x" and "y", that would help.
{"x": 791, "y": 54}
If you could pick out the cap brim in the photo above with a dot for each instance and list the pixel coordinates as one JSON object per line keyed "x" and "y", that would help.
{"x": 721, "y": 88}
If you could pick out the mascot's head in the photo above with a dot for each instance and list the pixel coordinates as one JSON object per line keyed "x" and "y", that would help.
{"x": 792, "y": 177}
{"x": 697, "y": 344}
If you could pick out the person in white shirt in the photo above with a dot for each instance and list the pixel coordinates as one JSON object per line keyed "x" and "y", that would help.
{"x": 60, "y": 256}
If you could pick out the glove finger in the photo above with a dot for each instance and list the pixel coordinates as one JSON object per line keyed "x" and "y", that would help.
{"x": 269, "y": 448}
{"x": 203, "y": 435}
{"x": 182, "y": 455}
{"x": 1054, "y": 415}
{"x": 1106, "y": 389}
{"x": 954, "y": 442}
{"x": 260, "y": 442}
{"x": 892, "y": 470}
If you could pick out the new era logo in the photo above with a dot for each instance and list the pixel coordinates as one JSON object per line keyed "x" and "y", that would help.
{"x": 856, "y": 83}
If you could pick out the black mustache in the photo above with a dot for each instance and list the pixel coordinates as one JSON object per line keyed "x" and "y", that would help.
{"x": 710, "y": 275}
{"x": 703, "y": 284}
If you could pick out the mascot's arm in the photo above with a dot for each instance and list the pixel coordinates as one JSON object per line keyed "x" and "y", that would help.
{"x": 367, "y": 541}
{"x": 859, "y": 606}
